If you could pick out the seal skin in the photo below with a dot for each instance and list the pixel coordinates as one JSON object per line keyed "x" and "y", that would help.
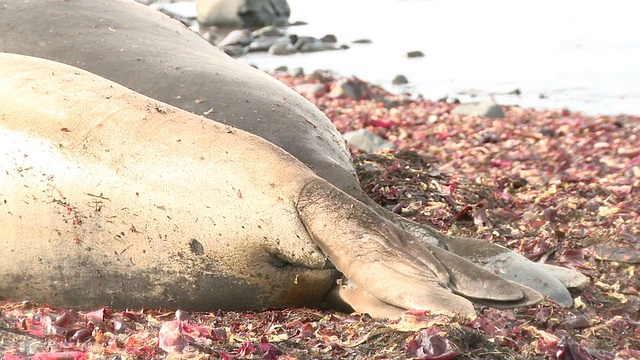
{"x": 112, "y": 198}
{"x": 158, "y": 57}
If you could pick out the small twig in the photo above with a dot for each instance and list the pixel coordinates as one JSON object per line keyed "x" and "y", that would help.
{"x": 18, "y": 332}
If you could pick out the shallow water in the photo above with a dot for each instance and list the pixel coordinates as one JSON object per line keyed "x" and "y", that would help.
{"x": 581, "y": 55}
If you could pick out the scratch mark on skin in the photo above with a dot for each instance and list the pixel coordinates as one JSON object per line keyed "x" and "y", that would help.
{"x": 97, "y": 196}
{"x": 125, "y": 249}
{"x": 57, "y": 190}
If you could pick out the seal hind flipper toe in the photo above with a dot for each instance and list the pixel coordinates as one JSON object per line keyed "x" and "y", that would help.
{"x": 571, "y": 279}
{"x": 529, "y": 297}
{"x": 512, "y": 266}
{"x": 475, "y": 282}
{"x": 348, "y": 297}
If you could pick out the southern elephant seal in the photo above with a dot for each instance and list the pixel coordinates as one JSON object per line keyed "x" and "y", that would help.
{"x": 108, "y": 197}
{"x": 157, "y": 56}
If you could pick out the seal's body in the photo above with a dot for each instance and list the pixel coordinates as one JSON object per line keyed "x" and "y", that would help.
{"x": 156, "y": 56}
{"x": 110, "y": 198}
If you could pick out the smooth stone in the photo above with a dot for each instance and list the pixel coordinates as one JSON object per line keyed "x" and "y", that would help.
{"x": 310, "y": 90}
{"x": 487, "y": 108}
{"x": 283, "y": 48}
{"x": 329, "y": 38}
{"x": 400, "y": 80}
{"x": 241, "y": 37}
{"x": 319, "y": 46}
{"x": 235, "y": 50}
{"x": 269, "y": 31}
{"x": 349, "y": 88}
{"x": 264, "y": 43}
{"x": 367, "y": 141}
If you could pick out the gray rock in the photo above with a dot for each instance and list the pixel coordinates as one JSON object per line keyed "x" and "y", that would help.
{"x": 415, "y": 54}
{"x": 281, "y": 22}
{"x": 242, "y": 37}
{"x": 210, "y": 35}
{"x": 318, "y": 46}
{"x": 241, "y": 13}
{"x": 349, "y": 88}
{"x": 367, "y": 141}
{"x": 329, "y": 38}
{"x": 487, "y": 108}
{"x": 283, "y": 48}
{"x": 449, "y": 100}
{"x": 323, "y": 75}
{"x": 235, "y": 50}
{"x": 271, "y": 31}
{"x": 297, "y": 71}
{"x": 400, "y": 80}
{"x": 310, "y": 90}
{"x": 266, "y": 42}
{"x": 301, "y": 41}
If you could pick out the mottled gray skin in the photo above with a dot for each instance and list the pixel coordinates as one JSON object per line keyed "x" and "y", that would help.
{"x": 156, "y": 56}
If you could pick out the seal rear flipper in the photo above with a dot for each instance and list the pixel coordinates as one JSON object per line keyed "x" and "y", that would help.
{"x": 389, "y": 263}
{"x": 491, "y": 257}
{"x": 363, "y": 302}
{"x": 549, "y": 280}
{"x": 515, "y": 267}
{"x": 530, "y": 297}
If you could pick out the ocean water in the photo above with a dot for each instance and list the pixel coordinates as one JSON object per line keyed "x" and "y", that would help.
{"x": 580, "y": 55}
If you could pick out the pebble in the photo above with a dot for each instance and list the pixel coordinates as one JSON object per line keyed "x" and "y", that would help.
{"x": 242, "y": 37}
{"x": 415, "y": 54}
{"x": 310, "y": 90}
{"x": 265, "y": 43}
{"x": 283, "y": 48}
{"x": 400, "y": 80}
{"x": 487, "y": 108}
{"x": 367, "y": 141}
{"x": 235, "y": 50}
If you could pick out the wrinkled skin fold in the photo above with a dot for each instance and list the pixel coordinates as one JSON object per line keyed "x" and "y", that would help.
{"x": 167, "y": 62}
